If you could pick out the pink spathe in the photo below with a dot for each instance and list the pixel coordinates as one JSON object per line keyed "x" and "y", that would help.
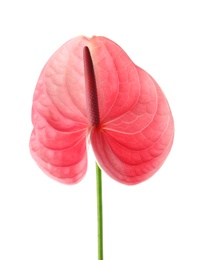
{"x": 136, "y": 128}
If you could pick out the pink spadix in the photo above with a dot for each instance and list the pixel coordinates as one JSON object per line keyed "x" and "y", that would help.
{"x": 90, "y": 88}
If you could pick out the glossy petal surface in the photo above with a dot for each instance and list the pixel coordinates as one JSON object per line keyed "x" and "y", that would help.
{"x": 58, "y": 141}
{"x": 136, "y": 128}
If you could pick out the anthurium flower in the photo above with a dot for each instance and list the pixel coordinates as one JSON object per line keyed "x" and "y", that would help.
{"x": 90, "y": 91}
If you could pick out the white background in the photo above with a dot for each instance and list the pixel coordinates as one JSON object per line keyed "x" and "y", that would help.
{"x": 162, "y": 218}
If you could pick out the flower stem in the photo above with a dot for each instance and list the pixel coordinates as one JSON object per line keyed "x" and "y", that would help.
{"x": 99, "y": 212}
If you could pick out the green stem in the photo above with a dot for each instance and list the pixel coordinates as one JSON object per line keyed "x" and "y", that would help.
{"x": 99, "y": 212}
